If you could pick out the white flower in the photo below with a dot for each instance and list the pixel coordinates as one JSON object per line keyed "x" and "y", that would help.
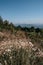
{"x": 0, "y": 64}
{"x": 8, "y": 50}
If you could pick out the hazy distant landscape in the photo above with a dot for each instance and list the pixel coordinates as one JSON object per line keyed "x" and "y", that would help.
{"x": 30, "y": 25}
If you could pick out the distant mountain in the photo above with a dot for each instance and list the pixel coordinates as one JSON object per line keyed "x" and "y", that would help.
{"x": 30, "y": 25}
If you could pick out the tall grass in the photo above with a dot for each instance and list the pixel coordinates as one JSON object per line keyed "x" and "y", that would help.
{"x": 20, "y": 57}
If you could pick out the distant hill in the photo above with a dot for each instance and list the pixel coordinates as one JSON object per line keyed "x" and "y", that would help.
{"x": 30, "y": 25}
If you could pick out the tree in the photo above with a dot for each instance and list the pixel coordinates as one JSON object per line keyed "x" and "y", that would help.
{"x": 19, "y": 27}
{"x": 11, "y": 27}
{"x": 1, "y": 20}
{"x": 1, "y": 23}
{"x": 37, "y": 30}
{"x": 6, "y": 24}
{"x": 32, "y": 29}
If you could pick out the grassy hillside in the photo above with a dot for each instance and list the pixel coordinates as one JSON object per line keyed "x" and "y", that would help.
{"x": 20, "y": 45}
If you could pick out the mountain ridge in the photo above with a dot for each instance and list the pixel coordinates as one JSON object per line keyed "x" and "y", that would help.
{"x": 30, "y": 25}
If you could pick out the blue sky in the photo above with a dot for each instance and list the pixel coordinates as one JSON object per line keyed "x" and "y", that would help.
{"x": 22, "y": 11}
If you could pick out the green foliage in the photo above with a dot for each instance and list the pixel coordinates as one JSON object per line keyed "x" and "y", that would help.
{"x": 37, "y": 30}
{"x": 10, "y": 26}
{"x": 32, "y": 29}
